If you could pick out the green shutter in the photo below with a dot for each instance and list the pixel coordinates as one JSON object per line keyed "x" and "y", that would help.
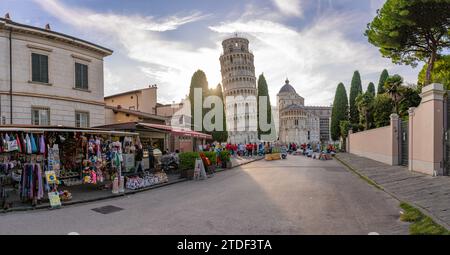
{"x": 35, "y": 68}
{"x": 77, "y": 75}
{"x": 39, "y": 67}
{"x": 44, "y": 68}
{"x": 85, "y": 77}
{"x": 81, "y": 76}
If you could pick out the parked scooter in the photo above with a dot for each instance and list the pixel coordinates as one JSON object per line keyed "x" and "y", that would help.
{"x": 283, "y": 152}
{"x": 170, "y": 162}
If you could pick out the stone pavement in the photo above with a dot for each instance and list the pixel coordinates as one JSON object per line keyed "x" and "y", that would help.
{"x": 430, "y": 194}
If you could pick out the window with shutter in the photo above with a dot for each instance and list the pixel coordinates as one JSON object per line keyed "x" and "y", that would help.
{"x": 81, "y": 76}
{"x": 39, "y": 68}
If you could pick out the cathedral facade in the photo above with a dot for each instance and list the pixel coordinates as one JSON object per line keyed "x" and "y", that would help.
{"x": 299, "y": 123}
{"x": 239, "y": 90}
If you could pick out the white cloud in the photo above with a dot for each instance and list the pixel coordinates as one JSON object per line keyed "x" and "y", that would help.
{"x": 113, "y": 22}
{"x": 289, "y": 7}
{"x": 112, "y": 79}
{"x": 314, "y": 59}
{"x": 168, "y": 63}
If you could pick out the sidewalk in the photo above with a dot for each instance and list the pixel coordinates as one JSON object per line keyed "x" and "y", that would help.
{"x": 86, "y": 193}
{"x": 430, "y": 194}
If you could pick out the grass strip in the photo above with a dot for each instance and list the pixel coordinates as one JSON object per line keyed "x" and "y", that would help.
{"x": 420, "y": 223}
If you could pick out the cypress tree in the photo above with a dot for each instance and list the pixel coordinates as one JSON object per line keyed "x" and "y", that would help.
{"x": 220, "y": 136}
{"x": 339, "y": 112}
{"x": 383, "y": 77}
{"x": 264, "y": 91}
{"x": 371, "y": 89}
{"x": 355, "y": 90}
{"x": 198, "y": 80}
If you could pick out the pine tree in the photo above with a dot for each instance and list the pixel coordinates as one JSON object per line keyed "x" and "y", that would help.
{"x": 264, "y": 91}
{"x": 383, "y": 77}
{"x": 339, "y": 112}
{"x": 355, "y": 90}
{"x": 198, "y": 80}
{"x": 371, "y": 89}
{"x": 220, "y": 136}
{"x": 412, "y": 31}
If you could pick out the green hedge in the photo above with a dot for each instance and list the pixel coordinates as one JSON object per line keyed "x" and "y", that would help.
{"x": 187, "y": 159}
{"x": 225, "y": 156}
{"x": 212, "y": 156}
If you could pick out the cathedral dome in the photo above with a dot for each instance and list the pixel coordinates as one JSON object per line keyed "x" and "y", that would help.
{"x": 287, "y": 88}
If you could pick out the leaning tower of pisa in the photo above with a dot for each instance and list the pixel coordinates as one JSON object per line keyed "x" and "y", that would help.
{"x": 239, "y": 90}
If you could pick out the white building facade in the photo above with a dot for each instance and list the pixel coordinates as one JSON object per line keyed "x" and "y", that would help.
{"x": 48, "y": 78}
{"x": 299, "y": 123}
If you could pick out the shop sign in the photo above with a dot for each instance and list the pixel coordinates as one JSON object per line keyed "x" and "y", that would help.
{"x": 199, "y": 170}
{"x": 54, "y": 199}
{"x": 51, "y": 177}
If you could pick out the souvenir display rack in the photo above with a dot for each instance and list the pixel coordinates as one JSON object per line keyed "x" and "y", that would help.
{"x": 31, "y": 157}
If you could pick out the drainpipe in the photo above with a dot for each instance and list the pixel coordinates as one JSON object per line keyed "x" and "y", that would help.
{"x": 411, "y": 138}
{"x": 10, "y": 77}
{"x": 137, "y": 102}
{"x": 445, "y": 140}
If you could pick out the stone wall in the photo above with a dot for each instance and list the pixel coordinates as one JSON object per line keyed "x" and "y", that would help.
{"x": 380, "y": 144}
{"x": 426, "y": 140}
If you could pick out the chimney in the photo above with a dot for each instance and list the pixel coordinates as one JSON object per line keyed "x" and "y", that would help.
{"x": 7, "y": 16}
{"x": 47, "y": 27}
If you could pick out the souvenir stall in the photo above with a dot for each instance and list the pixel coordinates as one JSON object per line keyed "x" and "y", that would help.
{"x": 144, "y": 178}
{"x": 40, "y": 165}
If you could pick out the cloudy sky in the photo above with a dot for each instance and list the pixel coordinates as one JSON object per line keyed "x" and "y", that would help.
{"x": 315, "y": 43}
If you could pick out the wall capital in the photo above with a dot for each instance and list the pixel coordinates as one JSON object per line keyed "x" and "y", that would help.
{"x": 434, "y": 91}
{"x": 411, "y": 111}
{"x": 394, "y": 116}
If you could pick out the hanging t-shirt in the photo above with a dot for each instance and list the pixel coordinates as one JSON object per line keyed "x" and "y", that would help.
{"x": 28, "y": 142}
{"x": 24, "y": 143}
{"x": 42, "y": 144}
{"x": 98, "y": 147}
{"x": 33, "y": 144}
{"x": 19, "y": 143}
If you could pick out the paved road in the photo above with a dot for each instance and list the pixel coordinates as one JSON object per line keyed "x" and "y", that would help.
{"x": 293, "y": 196}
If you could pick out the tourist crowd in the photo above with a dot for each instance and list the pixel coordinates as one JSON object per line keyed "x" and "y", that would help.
{"x": 240, "y": 149}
